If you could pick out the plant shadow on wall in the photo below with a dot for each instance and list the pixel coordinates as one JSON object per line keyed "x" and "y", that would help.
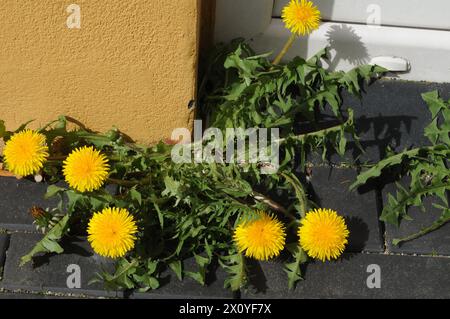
{"x": 347, "y": 45}
{"x": 301, "y": 48}
{"x": 344, "y": 42}
{"x": 167, "y": 212}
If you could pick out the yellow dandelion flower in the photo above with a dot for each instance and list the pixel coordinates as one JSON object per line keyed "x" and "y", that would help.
{"x": 301, "y": 17}
{"x": 111, "y": 232}
{"x": 261, "y": 238}
{"x": 323, "y": 234}
{"x": 25, "y": 153}
{"x": 86, "y": 169}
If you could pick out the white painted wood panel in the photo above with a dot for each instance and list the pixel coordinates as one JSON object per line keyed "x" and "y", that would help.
{"x": 422, "y": 40}
{"x": 428, "y": 51}
{"x": 434, "y": 14}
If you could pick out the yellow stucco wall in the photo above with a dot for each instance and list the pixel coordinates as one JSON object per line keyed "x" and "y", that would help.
{"x": 132, "y": 64}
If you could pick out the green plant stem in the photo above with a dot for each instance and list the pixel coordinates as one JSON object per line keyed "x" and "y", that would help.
{"x": 132, "y": 264}
{"x": 375, "y": 170}
{"x": 285, "y": 49}
{"x": 423, "y": 232}
{"x": 57, "y": 158}
{"x": 262, "y": 198}
{"x": 415, "y": 194}
{"x": 61, "y": 158}
{"x": 303, "y": 137}
{"x": 242, "y": 271}
{"x": 125, "y": 183}
{"x": 299, "y": 192}
{"x": 274, "y": 205}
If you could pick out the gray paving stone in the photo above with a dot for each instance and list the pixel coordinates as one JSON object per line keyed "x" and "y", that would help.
{"x": 22, "y": 295}
{"x": 172, "y": 288}
{"x": 330, "y": 189}
{"x": 390, "y": 113}
{"x": 436, "y": 242}
{"x": 16, "y": 198}
{"x": 4, "y": 242}
{"x": 400, "y": 277}
{"x": 49, "y": 272}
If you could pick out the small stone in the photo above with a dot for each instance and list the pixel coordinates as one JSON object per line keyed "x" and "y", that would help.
{"x": 38, "y": 178}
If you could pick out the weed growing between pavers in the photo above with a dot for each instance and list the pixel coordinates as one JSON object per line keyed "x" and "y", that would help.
{"x": 191, "y": 210}
{"x": 426, "y": 166}
{"x": 165, "y": 211}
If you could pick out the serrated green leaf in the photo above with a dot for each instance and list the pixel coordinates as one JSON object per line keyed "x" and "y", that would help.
{"x": 177, "y": 268}
{"x": 52, "y": 191}
{"x": 49, "y": 244}
{"x": 435, "y": 104}
{"x": 299, "y": 192}
{"x": 441, "y": 221}
{"x": 377, "y": 169}
{"x": 293, "y": 268}
{"x": 432, "y": 131}
{"x": 136, "y": 196}
{"x": 197, "y": 276}
{"x": 234, "y": 265}
{"x": 153, "y": 282}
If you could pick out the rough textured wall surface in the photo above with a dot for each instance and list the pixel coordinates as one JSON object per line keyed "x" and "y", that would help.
{"x": 132, "y": 64}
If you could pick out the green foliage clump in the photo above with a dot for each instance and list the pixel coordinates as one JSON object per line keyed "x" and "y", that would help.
{"x": 427, "y": 168}
{"x": 243, "y": 90}
{"x": 190, "y": 210}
